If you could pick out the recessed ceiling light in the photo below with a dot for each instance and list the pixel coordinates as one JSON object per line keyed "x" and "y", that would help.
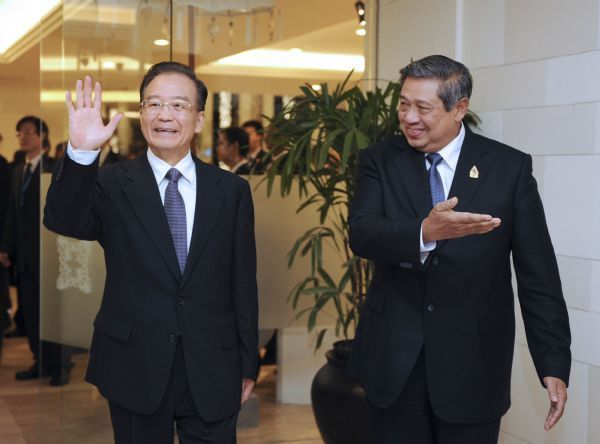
{"x": 161, "y": 42}
{"x": 361, "y": 32}
{"x": 316, "y": 87}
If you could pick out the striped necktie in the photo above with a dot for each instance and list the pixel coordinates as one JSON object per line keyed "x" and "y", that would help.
{"x": 435, "y": 180}
{"x": 175, "y": 210}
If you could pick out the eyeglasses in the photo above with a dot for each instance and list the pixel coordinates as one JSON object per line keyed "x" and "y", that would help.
{"x": 178, "y": 107}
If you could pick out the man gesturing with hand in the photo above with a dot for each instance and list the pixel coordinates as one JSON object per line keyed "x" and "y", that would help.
{"x": 440, "y": 210}
{"x": 175, "y": 339}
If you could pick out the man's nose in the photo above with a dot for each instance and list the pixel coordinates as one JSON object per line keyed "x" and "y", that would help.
{"x": 410, "y": 116}
{"x": 165, "y": 112}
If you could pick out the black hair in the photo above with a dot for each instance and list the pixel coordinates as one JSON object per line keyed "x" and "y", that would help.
{"x": 178, "y": 68}
{"x": 455, "y": 79}
{"x": 254, "y": 124}
{"x": 39, "y": 124}
{"x": 235, "y": 134}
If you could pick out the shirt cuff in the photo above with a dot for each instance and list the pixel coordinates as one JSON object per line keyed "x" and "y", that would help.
{"x": 83, "y": 157}
{"x": 426, "y": 247}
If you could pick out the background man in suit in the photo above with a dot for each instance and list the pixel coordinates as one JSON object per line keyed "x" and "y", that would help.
{"x": 256, "y": 150}
{"x": 175, "y": 339}
{"x": 435, "y": 344}
{"x": 232, "y": 148}
{"x": 21, "y": 241}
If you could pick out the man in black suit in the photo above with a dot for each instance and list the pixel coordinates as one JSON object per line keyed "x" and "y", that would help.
{"x": 21, "y": 241}
{"x": 440, "y": 210}
{"x": 256, "y": 151}
{"x": 5, "y": 303}
{"x": 232, "y": 148}
{"x": 176, "y": 337}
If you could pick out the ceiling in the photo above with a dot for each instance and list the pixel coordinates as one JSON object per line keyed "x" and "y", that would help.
{"x": 94, "y": 36}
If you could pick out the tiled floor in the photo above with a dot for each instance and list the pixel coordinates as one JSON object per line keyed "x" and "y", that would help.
{"x": 35, "y": 413}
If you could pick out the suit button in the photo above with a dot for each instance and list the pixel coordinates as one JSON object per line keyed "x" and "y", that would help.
{"x": 435, "y": 261}
{"x": 172, "y": 338}
{"x": 430, "y": 307}
{"x": 180, "y": 301}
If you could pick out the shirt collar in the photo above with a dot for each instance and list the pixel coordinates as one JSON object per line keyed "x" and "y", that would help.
{"x": 186, "y": 167}
{"x": 238, "y": 165}
{"x": 451, "y": 151}
{"x": 33, "y": 162}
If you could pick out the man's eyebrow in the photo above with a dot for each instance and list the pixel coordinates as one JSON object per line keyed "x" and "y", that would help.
{"x": 156, "y": 96}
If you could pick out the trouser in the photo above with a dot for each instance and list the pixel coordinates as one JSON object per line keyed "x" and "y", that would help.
{"x": 411, "y": 420}
{"x": 176, "y": 411}
{"x": 49, "y": 355}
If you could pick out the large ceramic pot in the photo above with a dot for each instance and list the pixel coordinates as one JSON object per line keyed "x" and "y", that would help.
{"x": 339, "y": 403}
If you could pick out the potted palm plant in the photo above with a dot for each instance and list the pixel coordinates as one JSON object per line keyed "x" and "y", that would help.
{"x": 315, "y": 141}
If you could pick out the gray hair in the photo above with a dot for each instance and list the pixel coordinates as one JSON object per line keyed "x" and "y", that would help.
{"x": 455, "y": 79}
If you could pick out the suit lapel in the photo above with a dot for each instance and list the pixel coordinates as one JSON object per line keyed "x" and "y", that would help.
{"x": 410, "y": 164}
{"x": 465, "y": 187}
{"x": 209, "y": 198}
{"x": 142, "y": 192}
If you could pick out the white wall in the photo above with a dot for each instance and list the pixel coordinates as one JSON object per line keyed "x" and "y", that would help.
{"x": 536, "y": 68}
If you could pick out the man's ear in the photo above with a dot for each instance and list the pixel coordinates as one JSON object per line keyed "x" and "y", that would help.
{"x": 461, "y": 108}
{"x": 199, "y": 122}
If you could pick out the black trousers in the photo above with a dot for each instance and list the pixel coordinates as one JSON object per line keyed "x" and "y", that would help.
{"x": 177, "y": 410}
{"x": 50, "y": 356}
{"x": 411, "y": 420}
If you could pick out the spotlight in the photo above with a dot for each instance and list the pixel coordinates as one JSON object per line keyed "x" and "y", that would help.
{"x": 360, "y": 7}
{"x": 161, "y": 42}
{"x": 361, "y": 32}
{"x": 360, "y": 10}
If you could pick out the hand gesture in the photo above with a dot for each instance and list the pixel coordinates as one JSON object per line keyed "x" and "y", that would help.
{"x": 247, "y": 386}
{"x": 86, "y": 128}
{"x": 445, "y": 223}
{"x": 557, "y": 392}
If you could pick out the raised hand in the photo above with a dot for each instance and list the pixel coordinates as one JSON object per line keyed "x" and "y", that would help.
{"x": 445, "y": 223}
{"x": 86, "y": 128}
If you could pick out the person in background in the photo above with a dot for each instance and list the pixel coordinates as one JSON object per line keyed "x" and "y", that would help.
{"x": 257, "y": 153}
{"x": 109, "y": 152}
{"x": 60, "y": 148}
{"x": 48, "y": 161}
{"x": 20, "y": 243}
{"x": 5, "y": 303}
{"x": 232, "y": 148}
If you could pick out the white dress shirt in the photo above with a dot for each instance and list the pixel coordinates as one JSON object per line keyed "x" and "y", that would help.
{"x": 446, "y": 168}
{"x": 33, "y": 162}
{"x": 186, "y": 184}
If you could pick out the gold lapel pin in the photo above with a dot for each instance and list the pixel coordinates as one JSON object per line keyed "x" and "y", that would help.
{"x": 474, "y": 173}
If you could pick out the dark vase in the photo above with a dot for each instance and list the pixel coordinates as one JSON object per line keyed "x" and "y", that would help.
{"x": 338, "y": 402}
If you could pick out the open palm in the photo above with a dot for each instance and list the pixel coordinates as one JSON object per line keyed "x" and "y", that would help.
{"x": 86, "y": 128}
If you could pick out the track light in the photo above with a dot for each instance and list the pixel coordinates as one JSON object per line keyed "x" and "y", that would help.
{"x": 360, "y": 10}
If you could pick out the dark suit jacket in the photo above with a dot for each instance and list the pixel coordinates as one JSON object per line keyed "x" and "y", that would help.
{"x": 459, "y": 305}
{"x": 147, "y": 303}
{"x": 21, "y": 236}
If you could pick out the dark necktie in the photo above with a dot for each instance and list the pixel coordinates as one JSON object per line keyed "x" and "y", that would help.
{"x": 435, "y": 180}
{"x": 25, "y": 182}
{"x": 175, "y": 210}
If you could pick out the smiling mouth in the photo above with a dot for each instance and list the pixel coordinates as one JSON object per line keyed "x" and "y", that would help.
{"x": 166, "y": 131}
{"x": 414, "y": 132}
